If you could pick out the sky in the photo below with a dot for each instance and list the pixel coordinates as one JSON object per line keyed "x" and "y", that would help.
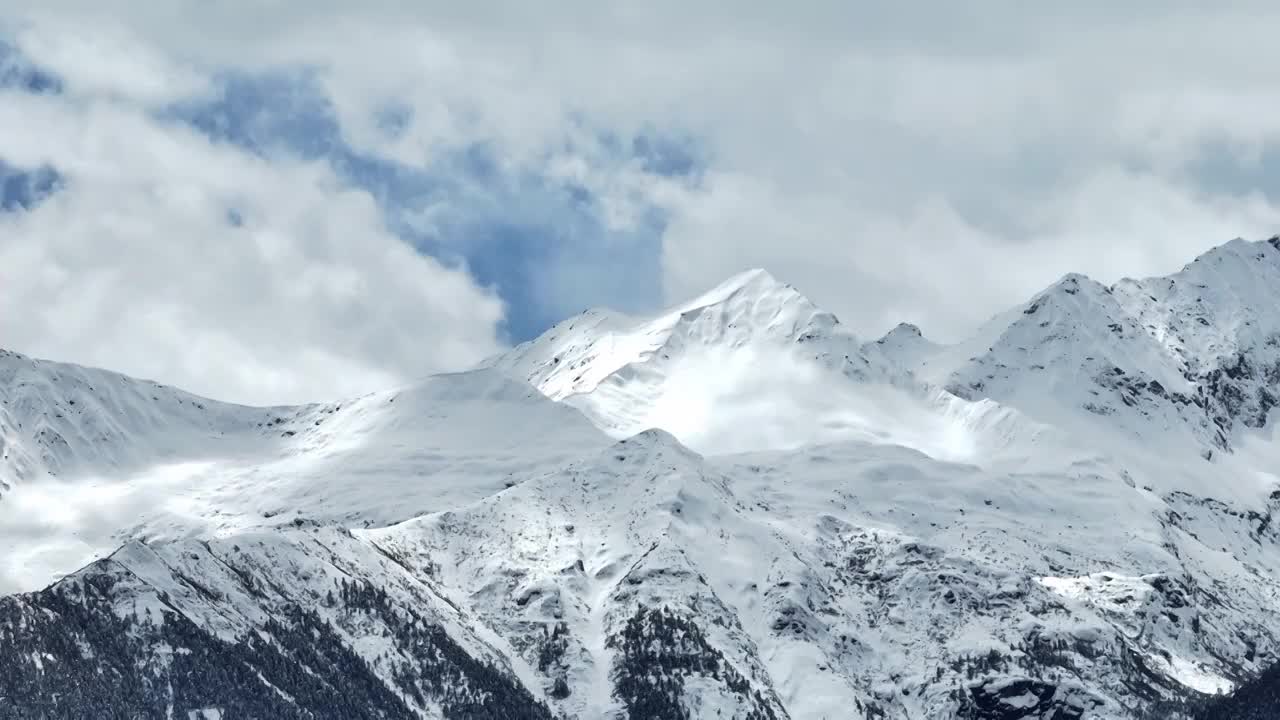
{"x": 277, "y": 201}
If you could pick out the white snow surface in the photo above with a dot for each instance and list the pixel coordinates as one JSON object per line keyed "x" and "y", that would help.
{"x": 99, "y": 458}
{"x": 853, "y": 525}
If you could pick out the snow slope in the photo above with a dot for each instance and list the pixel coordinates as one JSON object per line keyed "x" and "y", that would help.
{"x": 903, "y": 346}
{"x": 95, "y": 458}
{"x": 58, "y": 419}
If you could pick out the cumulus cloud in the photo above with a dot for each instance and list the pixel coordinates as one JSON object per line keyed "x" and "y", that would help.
{"x": 105, "y": 59}
{"x": 916, "y": 161}
{"x": 933, "y": 265}
{"x": 172, "y": 257}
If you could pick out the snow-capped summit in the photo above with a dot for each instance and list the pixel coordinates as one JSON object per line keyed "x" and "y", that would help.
{"x": 1193, "y": 358}
{"x": 576, "y": 355}
{"x": 1220, "y": 304}
{"x": 1067, "y": 335}
{"x": 903, "y": 330}
{"x": 904, "y": 346}
{"x": 672, "y": 368}
{"x": 754, "y": 303}
{"x": 753, "y": 364}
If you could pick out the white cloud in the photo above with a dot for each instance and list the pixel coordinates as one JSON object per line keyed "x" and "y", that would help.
{"x": 136, "y": 265}
{"x": 917, "y": 161}
{"x": 930, "y": 264}
{"x": 105, "y": 59}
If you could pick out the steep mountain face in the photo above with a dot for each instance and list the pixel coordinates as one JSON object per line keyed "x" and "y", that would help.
{"x": 733, "y": 509}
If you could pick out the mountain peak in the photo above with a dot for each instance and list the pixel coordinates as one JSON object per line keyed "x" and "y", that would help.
{"x": 1074, "y": 283}
{"x": 651, "y": 444}
{"x": 904, "y": 330}
{"x": 750, "y": 286}
{"x": 904, "y": 346}
{"x": 1215, "y": 306}
{"x": 1235, "y": 247}
{"x": 648, "y": 438}
{"x": 750, "y": 308}
{"x": 1194, "y": 348}
{"x": 755, "y": 302}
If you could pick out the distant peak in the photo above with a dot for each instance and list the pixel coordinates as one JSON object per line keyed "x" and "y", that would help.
{"x": 646, "y": 443}
{"x": 1071, "y": 284}
{"x": 648, "y": 438}
{"x": 1233, "y": 249}
{"x": 903, "y": 335}
{"x": 1074, "y": 279}
{"x": 904, "y": 345}
{"x": 1237, "y": 248}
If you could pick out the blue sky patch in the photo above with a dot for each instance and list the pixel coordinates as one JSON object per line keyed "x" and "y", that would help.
{"x": 670, "y": 156}
{"x": 18, "y": 72}
{"x": 393, "y": 119}
{"x": 24, "y": 189}
{"x": 265, "y": 113}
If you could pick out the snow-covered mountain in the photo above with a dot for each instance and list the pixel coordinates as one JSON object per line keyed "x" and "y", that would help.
{"x": 734, "y": 508}
{"x": 1195, "y": 355}
{"x": 93, "y": 458}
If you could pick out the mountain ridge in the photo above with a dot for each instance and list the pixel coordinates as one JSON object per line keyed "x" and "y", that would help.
{"x": 734, "y": 507}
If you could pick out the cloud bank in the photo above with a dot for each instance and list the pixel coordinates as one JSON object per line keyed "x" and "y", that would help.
{"x": 311, "y": 198}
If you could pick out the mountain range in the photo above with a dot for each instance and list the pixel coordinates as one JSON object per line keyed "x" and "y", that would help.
{"x": 734, "y": 508}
